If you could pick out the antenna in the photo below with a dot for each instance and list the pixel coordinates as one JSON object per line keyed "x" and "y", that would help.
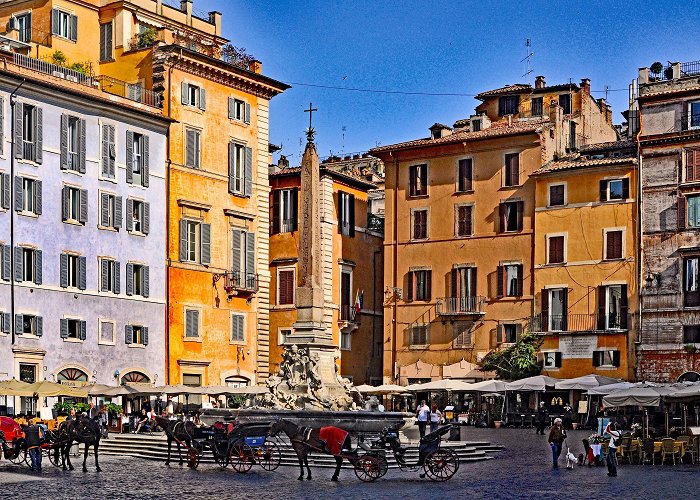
{"x": 344, "y": 129}
{"x": 527, "y": 58}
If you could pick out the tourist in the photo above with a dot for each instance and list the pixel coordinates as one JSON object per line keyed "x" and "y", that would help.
{"x": 611, "y": 459}
{"x": 92, "y": 411}
{"x": 557, "y": 435}
{"x": 34, "y": 435}
{"x": 435, "y": 417}
{"x": 143, "y": 421}
{"x": 423, "y": 413}
{"x": 568, "y": 416}
{"x": 71, "y": 415}
{"x": 541, "y": 419}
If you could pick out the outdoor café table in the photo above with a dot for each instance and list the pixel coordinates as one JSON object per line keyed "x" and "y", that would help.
{"x": 679, "y": 446}
{"x": 596, "y": 450}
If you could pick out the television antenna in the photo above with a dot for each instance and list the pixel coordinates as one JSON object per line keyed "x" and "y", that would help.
{"x": 527, "y": 59}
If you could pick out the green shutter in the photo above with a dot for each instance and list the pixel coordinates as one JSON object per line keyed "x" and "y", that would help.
{"x": 104, "y": 275}
{"x": 19, "y": 121}
{"x": 19, "y": 193}
{"x": 117, "y": 277}
{"x": 183, "y": 240}
{"x": 129, "y": 279}
{"x": 82, "y": 273}
{"x": 82, "y": 147}
{"x": 39, "y": 131}
{"x": 145, "y": 281}
{"x": 129, "y": 157}
{"x": 64, "y": 270}
{"x": 205, "y": 250}
{"x": 248, "y": 181}
{"x": 82, "y": 331}
{"x": 129, "y": 214}
{"x": 145, "y": 170}
{"x": 64, "y": 142}
{"x": 128, "y": 334}
{"x": 38, "y": 197}
{"x": 38, "y": 278}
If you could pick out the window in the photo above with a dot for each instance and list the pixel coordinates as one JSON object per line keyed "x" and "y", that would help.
{"x": 192, "y": 147}
{"x": 511, "y": 216}
{"x": 29, "y": 137}
{"x": 420, "y": 224}
{"x": 476, "y": 125}
{"x": 692, "y": 162}
{"x": 136, "y": 335}
{"x": 28, "y": 196}
{"x": 282, "y": 335}
{"x": 537, "y": 106}
{"x": 509, "y": 279}
{"x": 243, "y": 267}
{"x": 557, "y": 195}
{"x": 612, "y": 307}
{"x": 136, "y": 155}
{"x": 462, "y": 332}
{"x": 418, "y": 180}
{"x": 565, "y": 103}
{"x": 237, "y": 168}
{"x": 464, "y": 175}
{"x": 106, "y": 333}
{"x": 192, "y": 323}
{"x": 419, "y": 284}
{"x": 192, "y": 236}
{"x": 573, "y": 144}
{"x": 512, "y": 170}
{"x": 238, "y": 110}
{"x": 75, "y": 205}
{"x": 345, "y": 340}
{"x": 508, "y": 105}
{"x": 286, "y": 284}
{"x": 111, "y": 211}
{"x": 73, "y": 143}
{"x": 237, "y": 328}
{"x": 284, "y": 210}
{"x": 691, "y": 334}
{"x": 613, "y": 244}
{"x": 137, "y": 280}
{"x": 73, "y": 271}
{"x": 555, "y": 250}
{"x": 606, "y": 358}
{"x": 64, "y": 24}
{"x": 346, "y": 214}
{"x": 138, "y": 216}
{"x": 691, "y": 281}
{"x": 552, "y": 360}
{"x": 463, "y": 285}
{"x": 418, "y": 335}
{"x": 109, "y": 276}
{"x": 508, "y": 333}
{"x": 137, "y": 158}
{"x": 693, "y": 114}
{"x": 106, "y": 42}
{"x": 463, "y": 223}
{"x": 28, "y": 324}
{"x": 27, "y": 265}
{"x": 693, "y": 208}
{"x": 347, "y": 309}
{"x": 109, "y": 152}
{"x": 555, "y": 308}
{"x": 193, "y": 95}
{"x": 73, "y": 329}
{"x": 23, "y": 24}
{"x": 614, "y": 189}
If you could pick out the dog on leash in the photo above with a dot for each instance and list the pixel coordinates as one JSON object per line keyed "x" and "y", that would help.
{"x": 570, "y": 459}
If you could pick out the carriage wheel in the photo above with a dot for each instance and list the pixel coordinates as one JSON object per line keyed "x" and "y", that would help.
{"x": 268, "y": 456}
{"x": 368, "y": 468}
{"x": 21, "y": 457}
{"x": 54, "y": 456}
{"x": 193, "y": 457}
{"x": 241, "y": 457}
{"x": 441, "y": 465}
{"x": 383, "y": 465}
{"x": 221, "y": 458}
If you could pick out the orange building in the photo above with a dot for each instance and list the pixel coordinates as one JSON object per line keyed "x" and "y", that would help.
{"x": 460, "y": 216}
{"x": 585, "y": 261}
{"x": 352, "y": 268}
{"x": 217, "y": 184}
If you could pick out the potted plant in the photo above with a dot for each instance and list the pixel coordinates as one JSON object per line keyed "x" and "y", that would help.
{"x": 147, "y": 37}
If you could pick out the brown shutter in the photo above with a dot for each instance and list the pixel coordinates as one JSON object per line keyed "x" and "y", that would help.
{"x": 623, "y": 307}
{"x": 412, "y": 177}
{"x": 409, "y": 286}
{"x": 521, "y": 209}
{"x": 544, "y": 317}
{"x": 275, "y": 211}
{"x": 565, "y": 310}
{"x": 454, "y": 283}
{"x": 681, "y": 212}
{"x": 499, "y": 281}
{"x": 601, "y": 308}
{"x": 515, "y": 169}
{"x": 596, "y": 358}
{"x": 610, "y": 245}
{"x": 423, "y": 179}
{"x": 625, "y": 188}
{"x": 603, "y": 190}
{"x": 295, "y": 209}
{"x": 428, "y": 284}
{"x": 520, "y": 280}
{"x": 502, "y": 218}
{"x": 468, "y": 220}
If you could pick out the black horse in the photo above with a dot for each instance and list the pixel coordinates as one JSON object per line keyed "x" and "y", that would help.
{"x": 180, "y": 432}
{"x": 82, "y": 430}
{"x": 305, "y": 439}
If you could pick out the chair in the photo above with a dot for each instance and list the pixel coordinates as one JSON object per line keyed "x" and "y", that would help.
{"x": 648, "y": 451}
{"x": 634, "y": 452}
{"x": 668, "y": 447}
{"x": 692, "y": 448}
{"x": 623, "y": 449}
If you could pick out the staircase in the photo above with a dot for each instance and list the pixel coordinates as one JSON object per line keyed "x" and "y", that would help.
{"x": 155, "y": 447}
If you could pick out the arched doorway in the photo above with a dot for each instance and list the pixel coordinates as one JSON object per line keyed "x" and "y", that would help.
{"x": 135, "y": 377}
{"x": 689, "y": 377}
{"x": 236, "y": 400}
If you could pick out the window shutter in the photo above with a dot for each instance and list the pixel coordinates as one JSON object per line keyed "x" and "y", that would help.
{"x": 246, "y": 118}
{"x": 565, "y": 313}
{"x": 205, "y": 250}
{"x": 231, "y": 108}
{"x": 38, "y": 326}
{"x": 83, "y": 206}
{"x": 104, "y": 275}
{"x": 144, "y": 335}
{"x": 112, "y": 152}
{"x": 129, "y": 214}
{"x": 54, "y": 21}
{"x": 601, "y": 307}
{"x": 276, "y": 211}
{"x": 499, "y": 334}
{"x": 146, "y": 224}
{"x": 128, "y": 334}
{"x": 12, "y": 23}
{"x": 454, "y": 283}
{"x": 428, "y": 284}
{"x": 74, "y": 28}
{"x": 521, "y": 209}
{"x": 557, "y": 360}
{"x": 6, "y": 263}
{"x": 500, "y": 277}
{"x": 515, "y": 169}
{"x": 468, "y": 216}
{"x": 145, "y": 171}
{"x": 596, "y": 358}
{"x": 5, "y": 181}
{"x": 189, "y": 148}
{"x": 65, "y": 205}
{"x": 117, "y": 212}
{"x": 231, "y": 171}
{"x": 38, "y": 277}
{"x": 64, "y": 142}
{"x": 117, "y": 278}
{"x": 681, "y": 212}
{"x": 6, "y": 323}
{"x": 83, "y": 330}
{"x": 19, "y": 322}
{"x": 234, "y": 328}
{"x": 236, "y": 253}
{"x": 623, "y": 307}
{"x": 82, "y": 146}
{"x": 145, "y": 281}
{"x": 616, "y": 358}
{"x": 409, "y": 286}
{"x": 544, "y": 317}
{"x": 39, "y": 135}
{"x": 106, "y": 41}
{"x": 183, "y": 239}
{"x": 64, "y": 270}
{"x": 351, "y": 215}
{"x": 184, "y": 98}
{"x": 412, "y": 180}
{"x": 19, "y": 270}
{"x": 250, "y": 261}
{"x": 38, "y": 197}
{"x": 248, "y": 181}
{"x": 129, "y": 157}
{"x": 520, "y": 280}
{"x": 295, "y": 209}
{"x": 19, "y": 120}
{"x": 129, "y": 278}
{"x": 202, "y": 98}
{"x": 503, "y": 225}
{"x": 189, "y": 323}
{"x": 423, "y": 179}
{"x": 625, "y": 188}
{"x": 603, "y": 190}
{"x": 82, "y": 273}
{"x": 2, "y": 123}
{"x": 19, "y": 194}
{"x": 104, "y": 209}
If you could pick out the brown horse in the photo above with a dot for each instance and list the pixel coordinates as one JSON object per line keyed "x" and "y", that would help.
{"x": 175, "y": 430}
{"x": 82, "y": 430}
{"x": 305, "y": 439}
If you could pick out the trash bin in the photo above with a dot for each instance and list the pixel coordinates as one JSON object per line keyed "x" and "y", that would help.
{"x": 455, "y": 433}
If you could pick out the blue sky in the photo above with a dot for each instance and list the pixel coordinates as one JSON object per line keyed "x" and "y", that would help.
{"x": 443, "y": 47}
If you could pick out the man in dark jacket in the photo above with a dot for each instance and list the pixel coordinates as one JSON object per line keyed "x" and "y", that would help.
{"x": 34, "y": 435}
{"x": 541, "y": 419}
{"x": 557, "y": 435}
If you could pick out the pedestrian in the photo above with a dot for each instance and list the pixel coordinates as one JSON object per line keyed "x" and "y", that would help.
{"x": 568, "y": 416}
{"x": 34, "y": 435}
{"x": 557, "y": 435}
{"x": 423, "y": 413}
{"x": 435, "y": 417}
{"x": 541, "y": 419}
{"x": 92, "y": 412}
{"x": 611, "y": 459}
{"x": 71, "y": 415}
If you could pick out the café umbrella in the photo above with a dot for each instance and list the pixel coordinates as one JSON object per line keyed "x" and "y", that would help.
{"x": 536, "y": 383}
{"x": 585, "y": 382}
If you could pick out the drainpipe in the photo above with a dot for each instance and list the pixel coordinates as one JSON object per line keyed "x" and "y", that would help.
{"x": 640, "y": 231}
{"x": 13, "y": 101}
{"x": 374, "y": 300}
{"x": 395, "y": 271}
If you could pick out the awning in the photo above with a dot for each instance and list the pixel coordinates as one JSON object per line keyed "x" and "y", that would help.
{"x": 607, "y": 389}
{"x": 536, "y": 383}
{"x": 488, "y": 386}
{"x": 439, "y": 385}
{"x": 584, "y": 383}
{"x": 639, "y": 396}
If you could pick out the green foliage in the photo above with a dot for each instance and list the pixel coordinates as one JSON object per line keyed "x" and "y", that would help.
{"x": 656, "y": 68}
{"x": 236, "y": 56}
{"x": 236, "y": 401}
{"x": 113, "y": 409}
{"x": 59, "y": 58}
{"x": 147, "y": 37}
{"x": 62, "y": 407}
{"x": 690, "y": 348}
{"x": 79, "y": 67}
{"x": 516, "y": 361}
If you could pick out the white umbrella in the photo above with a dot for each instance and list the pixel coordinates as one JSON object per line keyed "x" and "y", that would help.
{"x": 220, "y": 390}
{"x": 638, "y": 396}
{"x": 689, "y": 392}
{"x": 584, "y": 383}
{"x": 488, "y": 386}
{"x": 387, "y": 389}
{"x": 439, "y": 385}
{"x": 607, "y": 389}
{"x": 536, "y": 383}
{"x": 365, "y": 387}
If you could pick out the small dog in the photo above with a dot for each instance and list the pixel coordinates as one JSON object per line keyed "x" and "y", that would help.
{"x": 570, "y": 459}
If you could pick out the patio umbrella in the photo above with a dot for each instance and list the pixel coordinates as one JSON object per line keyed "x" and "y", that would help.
{"x": 488, "y": 386}
{"x": 439, "y": 385}
{"x": 384, "y": 390}
{"x": 536, "y": 383}
{"x": 15, "y": 387}
{"x": 365, "y": 387}
{"x": 607, "y": 389}
{"x": 100, "y": 389}
{"x": 637, "y": 396}
{"x": 688, "y": 392}
{"x": 220, "y": 390}
{"x": 584, "y": 383}
{"x": 46, "y": 388}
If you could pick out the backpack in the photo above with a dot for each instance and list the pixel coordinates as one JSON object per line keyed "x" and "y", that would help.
{"x": 618, "y": 440}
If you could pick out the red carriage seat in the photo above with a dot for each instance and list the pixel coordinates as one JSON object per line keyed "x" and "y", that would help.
{"x": 334, "y": 438}
{"x": 10, "y": 429}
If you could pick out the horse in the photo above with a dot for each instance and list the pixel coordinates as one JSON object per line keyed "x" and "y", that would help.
{"x": 180, "y": 432}
{"x": 82, "y": 430}
{"x": 304, "y": 439}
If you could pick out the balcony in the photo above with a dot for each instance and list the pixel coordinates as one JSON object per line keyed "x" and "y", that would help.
{"x": 460, "y": 306}
{"x": 131, "y": 91}
{"x": 348, "y": 313}
{"x": 241, "y": 282}
{"x": 375, "y": 223}
{"x": 578, "y": 323}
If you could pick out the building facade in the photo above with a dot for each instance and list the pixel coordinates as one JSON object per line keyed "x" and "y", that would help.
{"x": 669, "y": 142}
{"x": 459, "y": 226}
{"x": 352, "y": 268}
{"x": 86, "y": 213}
{"x": 585, "y": 262}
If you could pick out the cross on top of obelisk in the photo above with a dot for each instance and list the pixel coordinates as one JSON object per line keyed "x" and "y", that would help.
{"x": 310, "y": 132}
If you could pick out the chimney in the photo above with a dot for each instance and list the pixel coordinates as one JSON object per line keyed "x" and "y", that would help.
{"x": 556, "y": 119}
{"x": 539, "y": 82}
{"x": 186, "y": 7}
{"x": 643, "y": 76}
{"x": 586, "y": 85}
{"x": 215, "y": 19}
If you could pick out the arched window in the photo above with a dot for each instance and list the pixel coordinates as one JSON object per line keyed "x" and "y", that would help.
{"x": 135, "y": 378}
{"x": 237, "y": 381}
{"x": 689, "y": 377}
{"x": 72, "y": 375}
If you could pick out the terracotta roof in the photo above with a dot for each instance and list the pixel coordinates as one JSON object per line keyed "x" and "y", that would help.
{"x": 576, "y": 161}
{"x": 440, "y": 125}
{"x": 333, "y": 173}
{"x": 508, "y": 89}
{"x": 497, "y": 129}
{"x": 605, "y": 146}
{"x": 672, "y": 91}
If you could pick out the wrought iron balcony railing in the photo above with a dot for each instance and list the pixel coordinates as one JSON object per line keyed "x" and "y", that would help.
{"x": 456, "y": 306}
{"x": 569, "y": 323}
{"x": 241, "y": 282}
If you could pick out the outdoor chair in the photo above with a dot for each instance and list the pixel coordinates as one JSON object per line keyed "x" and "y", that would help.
{"x": 634, "y": 452}
{"x": 692, "y": 448}
{"x": 527, "y": 421}
{"x": 648, "y": 451}
{"x": 668, "y": 447}
{"x": 624, "y": 448}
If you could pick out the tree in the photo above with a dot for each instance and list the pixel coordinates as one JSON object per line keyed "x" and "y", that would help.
{"x": 516, "y": 361}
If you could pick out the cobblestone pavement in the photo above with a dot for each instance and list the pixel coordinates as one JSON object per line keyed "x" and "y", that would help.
{"x": 522, "y": 470}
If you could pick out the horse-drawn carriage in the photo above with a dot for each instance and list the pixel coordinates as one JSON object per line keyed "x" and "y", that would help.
{"x": 14, "y": 444}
